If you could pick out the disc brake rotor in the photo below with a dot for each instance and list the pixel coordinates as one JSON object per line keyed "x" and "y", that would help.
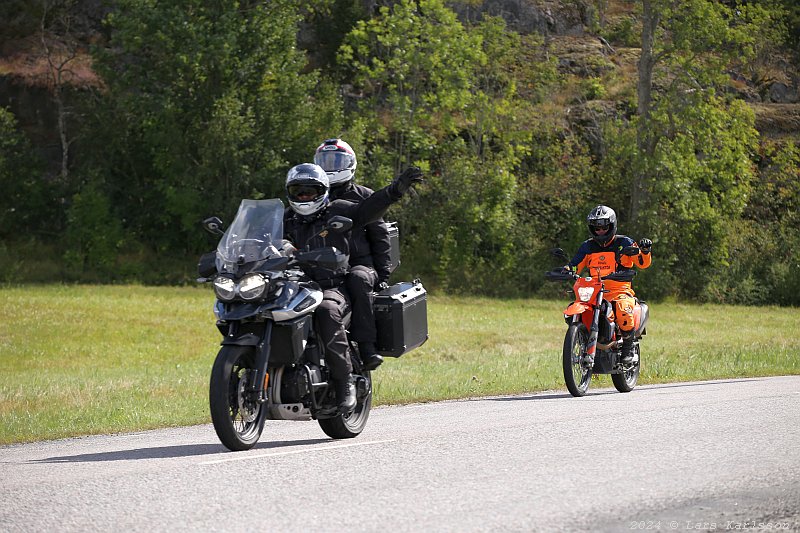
{"x": 247, "y": 409}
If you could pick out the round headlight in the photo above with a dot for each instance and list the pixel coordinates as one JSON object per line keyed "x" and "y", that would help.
{"x": 224, "y": 288}
{"x": 252, "y": 286}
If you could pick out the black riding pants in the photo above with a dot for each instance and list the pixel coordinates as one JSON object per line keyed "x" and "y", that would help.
{"x": 360, "y": 283}
{"x": 331, "y": 316}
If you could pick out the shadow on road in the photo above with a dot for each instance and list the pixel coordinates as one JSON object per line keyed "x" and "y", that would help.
{"x": 699, "y": 383}
{"x": 163, "y": 452}
{"x": 545, "y": 396}
{"x": 602, "y": 392}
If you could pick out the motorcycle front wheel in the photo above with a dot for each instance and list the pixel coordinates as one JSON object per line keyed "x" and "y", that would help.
{"x": 238, "y": 418}
{"x": 626, "y": 381}
{"x": 351, "y": 425}
{"x": 576, "y": 375}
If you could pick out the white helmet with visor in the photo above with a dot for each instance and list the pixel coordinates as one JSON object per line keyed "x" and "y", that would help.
{"x": 338, "y": 160}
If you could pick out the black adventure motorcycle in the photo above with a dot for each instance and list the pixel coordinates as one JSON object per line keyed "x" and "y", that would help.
{"x": 272, "y": 362}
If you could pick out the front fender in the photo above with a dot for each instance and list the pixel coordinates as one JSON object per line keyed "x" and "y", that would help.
{"x": 576, "y": 308}
{"x": 247, "y": 339}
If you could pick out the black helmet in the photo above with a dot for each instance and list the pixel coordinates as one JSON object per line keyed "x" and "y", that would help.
{"x": 602, "y": 222}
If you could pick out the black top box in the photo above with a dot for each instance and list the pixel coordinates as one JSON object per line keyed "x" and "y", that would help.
{"x": 401, "y": 317}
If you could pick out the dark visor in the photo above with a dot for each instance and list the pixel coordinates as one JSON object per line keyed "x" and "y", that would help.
{"x": 305, "y": 191}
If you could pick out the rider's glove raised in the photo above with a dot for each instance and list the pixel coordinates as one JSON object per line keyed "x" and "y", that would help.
{"x": 403, "y": 182}
{"x": 645, "y": 245}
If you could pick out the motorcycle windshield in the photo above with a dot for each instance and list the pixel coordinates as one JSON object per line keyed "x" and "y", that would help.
{"x": 255, "y": 234}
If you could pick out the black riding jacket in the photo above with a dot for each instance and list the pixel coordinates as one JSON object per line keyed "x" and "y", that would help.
{"x": 370, "y": 245}
{"x": 302, "y": 230}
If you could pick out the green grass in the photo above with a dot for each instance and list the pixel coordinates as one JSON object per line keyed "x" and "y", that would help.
{"x": 78, "y": 360}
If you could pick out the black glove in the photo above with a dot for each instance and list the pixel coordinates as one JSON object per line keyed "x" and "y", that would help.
{"x": 645, "y": 245}
{"x": 404, "y": 181}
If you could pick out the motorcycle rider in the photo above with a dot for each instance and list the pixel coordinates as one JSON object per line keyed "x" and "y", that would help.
{"x": 308, "y": 193}
{"x": 369, "y": 248}
{"x": 603, "y": 250}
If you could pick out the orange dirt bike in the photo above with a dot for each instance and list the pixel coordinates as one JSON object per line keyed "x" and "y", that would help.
{"x": 593, "y": 343}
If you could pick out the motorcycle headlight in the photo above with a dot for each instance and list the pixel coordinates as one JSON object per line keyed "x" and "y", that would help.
{"x": 252, "y": 286}
{"x": 584, "y": 293}
{"x": 224, "y": 288}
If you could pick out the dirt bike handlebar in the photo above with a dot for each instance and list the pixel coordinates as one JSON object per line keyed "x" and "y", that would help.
{"x": 562, "y": 275}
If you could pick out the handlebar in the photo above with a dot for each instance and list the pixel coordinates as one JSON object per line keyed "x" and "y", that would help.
{"x": 621, "y": 275}
{"x": 560, "y": 275}
{"x": 563, "y": 275}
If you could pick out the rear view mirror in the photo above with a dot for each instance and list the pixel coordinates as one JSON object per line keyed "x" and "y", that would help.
{"x": 558, "y": 253}
{"x": 213, "y": 225}
{"x": 339, "y": 224}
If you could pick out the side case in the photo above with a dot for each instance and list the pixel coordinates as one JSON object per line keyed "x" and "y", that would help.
{"x": 401, "y": 317}
{"x": 394, "y": 241}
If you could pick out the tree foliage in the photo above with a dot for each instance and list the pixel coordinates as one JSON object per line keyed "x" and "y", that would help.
{"x": 441, "y": 95}
{"x": 200, "y": 104}
{"x": 207, "y": 103}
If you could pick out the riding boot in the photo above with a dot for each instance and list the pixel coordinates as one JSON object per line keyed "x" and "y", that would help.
{"x": 370, "y": 359}
{"x": 627, "y": 350}
{"x": 345, "y": 394}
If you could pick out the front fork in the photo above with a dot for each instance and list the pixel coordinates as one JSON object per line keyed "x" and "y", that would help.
{"x": 262, "y": 360}
{"x": 591, "y": 345}
{"x": 257, "y": 388}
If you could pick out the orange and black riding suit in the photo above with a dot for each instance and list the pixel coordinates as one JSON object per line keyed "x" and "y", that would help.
{"x": 608, "y": 259}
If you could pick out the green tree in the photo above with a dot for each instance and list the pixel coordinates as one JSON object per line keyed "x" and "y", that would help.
{"x": 692, "y": 170}
{"x": 441, "y": 95}
{"x": 207, "y": 103}
{"x": 27, "y": 206}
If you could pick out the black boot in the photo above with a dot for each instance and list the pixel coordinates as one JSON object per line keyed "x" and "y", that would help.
{"x": 370, "y": 359}
{"x": 345, "y": 394}
{"x": 627, "y": 350}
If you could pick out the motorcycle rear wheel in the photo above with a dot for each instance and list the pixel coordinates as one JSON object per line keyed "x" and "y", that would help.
{"x": 576, "y": 376}
{"x": 238, "y": 419}
{"x": 350, "y": 426}
{"x": 626, "y": 381}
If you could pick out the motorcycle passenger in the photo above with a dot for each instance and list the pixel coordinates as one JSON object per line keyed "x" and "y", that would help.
{"x": 308, "y": 193}
{"x": 369, "y": 248}
{"x": 603, "y": 250}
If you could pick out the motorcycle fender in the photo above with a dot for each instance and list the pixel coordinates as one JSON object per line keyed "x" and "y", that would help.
{"x": 576, "y": 308}
{"x": 247, "y": 339}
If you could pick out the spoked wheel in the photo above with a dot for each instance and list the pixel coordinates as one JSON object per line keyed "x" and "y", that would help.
{"x": 626, "y": 381}
{"x": 238, "y": 418}
{"x": 349, "y": 426}
{"x": 577, "y": 374}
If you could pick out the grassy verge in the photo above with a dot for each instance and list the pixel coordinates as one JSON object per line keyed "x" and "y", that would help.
{"x": 78, "y": 360}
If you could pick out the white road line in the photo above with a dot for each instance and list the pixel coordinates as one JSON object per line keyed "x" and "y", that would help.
{"x": 292, "y": 452}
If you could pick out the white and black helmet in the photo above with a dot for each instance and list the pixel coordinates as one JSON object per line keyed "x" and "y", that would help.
{"x": 602, "y": 222}
{"x": 307, "y": 188}
{"x": 338, "y": 160}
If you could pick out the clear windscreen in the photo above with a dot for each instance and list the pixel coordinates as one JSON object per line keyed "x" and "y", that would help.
{"x": 255, "y": 234}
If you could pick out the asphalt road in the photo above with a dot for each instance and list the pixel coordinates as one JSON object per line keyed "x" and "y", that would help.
{"x": 722, "y": 455}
